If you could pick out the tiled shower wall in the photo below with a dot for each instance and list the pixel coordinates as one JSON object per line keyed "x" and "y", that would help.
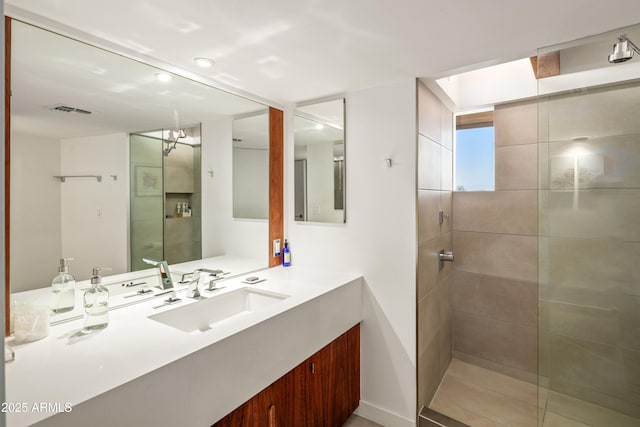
{"x": 495, "y": 243}
{"x": 182, "y": 236}
{"x": 435, "y": 182}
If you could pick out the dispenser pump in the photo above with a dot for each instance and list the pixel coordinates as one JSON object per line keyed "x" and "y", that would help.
{"x": 64, "y": 265}
{"x": 96, "y": 303}
{"x": 96, "y": 279}
{"x": 63, "y": 288}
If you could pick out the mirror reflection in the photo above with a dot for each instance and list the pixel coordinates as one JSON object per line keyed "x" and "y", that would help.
{"x": 319, "y": 162}
{"x": 251, "y": 167}
{"x": 113, "y": 161}
{"x": 164, "y": 196}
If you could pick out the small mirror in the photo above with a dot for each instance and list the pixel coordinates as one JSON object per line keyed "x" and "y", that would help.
{"x": 319, "y": 162}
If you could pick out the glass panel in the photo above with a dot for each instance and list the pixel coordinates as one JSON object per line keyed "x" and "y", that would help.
{"x": 589, "y": 240}
{"x": 147, "y": 233}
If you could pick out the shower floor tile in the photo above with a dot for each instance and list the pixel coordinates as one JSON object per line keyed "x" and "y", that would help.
{"x": 566, "y": 411}
{"x": 555, "y": 420}
{"x": 483, "y": 398}
{"x": 480, "y": 397}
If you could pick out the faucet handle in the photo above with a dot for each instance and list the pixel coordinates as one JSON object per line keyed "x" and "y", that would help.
{"x": 172, "y": 298}
{"x": 213, "y": 283}
{"x": 196, "y": 292}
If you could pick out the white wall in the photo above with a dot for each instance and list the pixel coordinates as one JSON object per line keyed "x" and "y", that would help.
{"x": 35, "y": 211}
{"x": 221, "y": 233}
{"x": 95, "y": 214}
{"x": 251, "y": 183}
{"x": 320, "y": 184}
{"x": 491, "y": 85}
{"x": 378, "y": 240}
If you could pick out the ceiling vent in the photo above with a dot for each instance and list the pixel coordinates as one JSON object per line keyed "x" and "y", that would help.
{"x": 67, "y": 109}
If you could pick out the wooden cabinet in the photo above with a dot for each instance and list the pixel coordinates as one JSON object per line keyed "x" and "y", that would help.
{"x": 322, "y": 391}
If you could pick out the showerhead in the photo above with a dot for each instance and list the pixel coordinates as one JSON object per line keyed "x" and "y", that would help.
{"x": 181, "y": 133}
{"x": 622, "y": 50}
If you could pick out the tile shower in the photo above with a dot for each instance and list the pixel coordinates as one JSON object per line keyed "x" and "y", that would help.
{"x": 158, "y": 185}
{"x": 435, "y": 173}
{"x": 495, "y": 240}
{"x": 544, "y": 289}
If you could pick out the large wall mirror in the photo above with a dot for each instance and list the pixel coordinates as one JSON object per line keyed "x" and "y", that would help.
{"x": 113, "y": 160}
{"x": 320, "y": 162}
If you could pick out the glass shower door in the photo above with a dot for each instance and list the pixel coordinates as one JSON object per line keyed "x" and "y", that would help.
{"x": 147, "y": 200}
{"x": 589, "y": 255}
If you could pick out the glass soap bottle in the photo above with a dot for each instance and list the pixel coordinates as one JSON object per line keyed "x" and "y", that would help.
{"x": 96, "y": 303}
{"x": 286, "y": 255}
{"x": 64, "y": 288}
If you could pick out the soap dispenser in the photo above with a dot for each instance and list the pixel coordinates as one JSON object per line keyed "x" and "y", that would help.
{"x": 96, "y": 303}
{"x": 64, "y": 288}
{"x": 286, "y": 257}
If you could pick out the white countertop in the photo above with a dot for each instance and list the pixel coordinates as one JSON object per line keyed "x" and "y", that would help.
{"x": 120, "y": 295}
{"x": 68, "y": 367}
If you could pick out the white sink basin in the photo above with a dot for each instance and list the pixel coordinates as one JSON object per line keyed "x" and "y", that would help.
{"x": 202, "y": 315}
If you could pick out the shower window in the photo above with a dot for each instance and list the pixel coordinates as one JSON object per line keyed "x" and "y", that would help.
{"x": 475, "y": 152}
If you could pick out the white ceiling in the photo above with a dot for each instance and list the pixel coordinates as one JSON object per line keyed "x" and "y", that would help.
{"x": 294, "y": 50}
{"x": 583, "y": 63}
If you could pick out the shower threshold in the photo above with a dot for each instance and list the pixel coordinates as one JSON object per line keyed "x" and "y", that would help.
{"x": 430, "y": 418}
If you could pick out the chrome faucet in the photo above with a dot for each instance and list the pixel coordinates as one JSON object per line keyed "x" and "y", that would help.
{"x": 204, "y": 275}
{"x": 166, "y": 282}
{"x": 193, "y": 291}
{"x": 214, "y": 273}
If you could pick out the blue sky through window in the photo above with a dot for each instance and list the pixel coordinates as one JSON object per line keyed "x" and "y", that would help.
{"x": 475, "y": 159}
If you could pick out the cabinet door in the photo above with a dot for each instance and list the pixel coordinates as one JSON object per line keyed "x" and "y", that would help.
{"x": 332, "y": 382}
{"x": 280, "y": 404}
{"x": 311, "y": 391}
{"x": 323, "y": 391}
{"x": 240, "y": 417}
{"x": 272, "y": 407}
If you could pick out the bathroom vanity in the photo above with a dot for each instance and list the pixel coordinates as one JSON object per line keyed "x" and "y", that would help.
{"x": 292, "y": 351}
{"x": 324, "y": 390}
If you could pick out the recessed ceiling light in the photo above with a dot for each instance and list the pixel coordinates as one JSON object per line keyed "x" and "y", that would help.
{"x": 163, "y": 77}
{"x": 319, "y": 126}
{"x": 204, "y": 62}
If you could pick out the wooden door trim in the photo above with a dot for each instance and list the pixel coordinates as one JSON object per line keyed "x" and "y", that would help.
{"x": 7, "y": 169}
{"x": 276, "y": 182}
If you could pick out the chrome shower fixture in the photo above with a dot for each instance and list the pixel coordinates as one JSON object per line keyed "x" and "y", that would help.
{"x": 181, "y": 133}
{"x": 623, "y": 50}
